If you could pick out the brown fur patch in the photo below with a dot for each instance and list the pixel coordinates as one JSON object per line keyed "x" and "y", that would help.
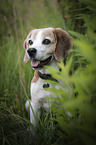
{"x": 33, "y": 33}
{"x": 64, "y": 44}
{"x": 36, "y": 77}
{"x": 49, "y": 33}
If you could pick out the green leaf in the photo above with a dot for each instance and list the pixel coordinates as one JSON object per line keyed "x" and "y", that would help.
{"x": 86, "y": 50}
{"x": 76, "y": 34}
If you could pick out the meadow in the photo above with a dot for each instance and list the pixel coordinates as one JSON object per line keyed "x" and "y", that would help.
{"x": 56, "y": 127}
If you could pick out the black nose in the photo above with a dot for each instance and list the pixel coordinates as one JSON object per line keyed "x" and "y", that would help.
{"x": 32, "y": 52}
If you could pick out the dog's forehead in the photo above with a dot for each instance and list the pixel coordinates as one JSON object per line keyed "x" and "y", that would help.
{"x": 34, "y": 33}
{"x": 42, "y": 33}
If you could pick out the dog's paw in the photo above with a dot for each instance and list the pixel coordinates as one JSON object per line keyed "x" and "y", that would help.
{"x": 27, "y": 105}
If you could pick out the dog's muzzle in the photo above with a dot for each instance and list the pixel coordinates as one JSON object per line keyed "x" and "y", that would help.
{"x": 35, "y": 63}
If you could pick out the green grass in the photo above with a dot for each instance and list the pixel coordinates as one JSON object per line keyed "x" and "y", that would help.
{"x": 57, "y": 127}
{"x": 15, "y": 76}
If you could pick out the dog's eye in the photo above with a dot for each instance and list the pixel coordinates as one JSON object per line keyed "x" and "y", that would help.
{"x": 46, "y": 41}
{"x": 30, "y": 42}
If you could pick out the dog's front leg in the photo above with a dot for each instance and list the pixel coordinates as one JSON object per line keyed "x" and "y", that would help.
{"x": 33, "y": 112}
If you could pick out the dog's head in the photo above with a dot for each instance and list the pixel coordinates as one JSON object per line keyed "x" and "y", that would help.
{"x": 42, "y": 44}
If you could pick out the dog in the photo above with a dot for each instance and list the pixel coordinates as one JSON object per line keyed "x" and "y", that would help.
{"x": 43, "y": 47}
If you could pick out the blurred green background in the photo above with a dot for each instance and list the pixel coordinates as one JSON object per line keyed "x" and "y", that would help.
{"x": 17, "y": 18}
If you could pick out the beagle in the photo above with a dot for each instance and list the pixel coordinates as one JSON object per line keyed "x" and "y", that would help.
{"x": 44, "y": 47}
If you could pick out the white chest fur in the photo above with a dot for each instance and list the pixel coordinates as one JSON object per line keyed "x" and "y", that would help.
{"x": 38, "y": 93}
{"x": 37, "y": 90}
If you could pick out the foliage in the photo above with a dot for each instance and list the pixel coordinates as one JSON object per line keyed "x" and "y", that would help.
{"x": 76, "y": 107}
{"x": 73, "y": 119}
{"x": 16, "y": 19}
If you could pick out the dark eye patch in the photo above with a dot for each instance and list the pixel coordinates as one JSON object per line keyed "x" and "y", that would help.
{"x": 30, "y": 42}
{"x": 46, "y": 41}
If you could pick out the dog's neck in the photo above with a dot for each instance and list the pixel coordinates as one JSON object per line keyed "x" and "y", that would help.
{"x": 53, "y": 63}
{"x": 43, "y": 74}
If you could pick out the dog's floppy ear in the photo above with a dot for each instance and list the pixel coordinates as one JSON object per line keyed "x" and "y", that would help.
{"x": 64, "y": 44}
{"x": 26, "y": 58}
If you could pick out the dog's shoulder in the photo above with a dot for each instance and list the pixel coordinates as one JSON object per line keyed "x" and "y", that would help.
{"x": 36, "y": 77}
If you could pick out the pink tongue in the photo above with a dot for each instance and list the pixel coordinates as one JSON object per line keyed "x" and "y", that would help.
{"x": 35, "y": 63}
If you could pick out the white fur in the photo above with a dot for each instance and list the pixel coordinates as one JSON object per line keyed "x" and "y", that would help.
{"x": 37, "y": 96}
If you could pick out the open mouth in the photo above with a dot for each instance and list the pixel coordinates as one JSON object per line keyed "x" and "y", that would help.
{"x": 38, "y": 64}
